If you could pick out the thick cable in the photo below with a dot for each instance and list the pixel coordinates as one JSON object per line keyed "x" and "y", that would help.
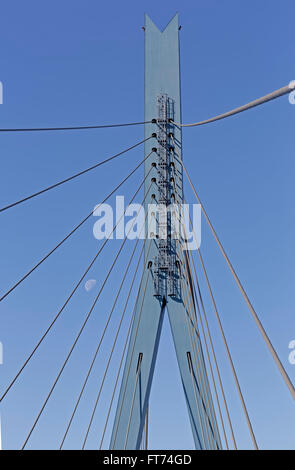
{"x": 264, "y": 99}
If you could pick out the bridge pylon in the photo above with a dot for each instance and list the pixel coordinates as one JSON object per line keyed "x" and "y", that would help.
{"x": 166, "y": 284}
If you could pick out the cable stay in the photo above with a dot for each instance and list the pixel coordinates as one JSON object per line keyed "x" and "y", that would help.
{"x": 72, "y": 231}
{"x": 172, "y": 282}
{"x": 116, "y": 337}
{"x": 138, "y": 370}
{"x": 132, "y": 352}
{"x": 197, "y": 354}
{"x": 124, "y": 349}
{"x": 107, "y": 323}
{"x": 193, "y": 324}
{"x": 63, "y": 307}
{"x": 212, "y": 350}
{"x": 264, "y": 99}
{"x": 199, "y": 389}
{"x": 194, "y": 303}
{"x": 229, "y": 355}
{"x": 82, "y": 327}
{"x": 226, "y": 346}
{"x": 227, "y": 350}
{"x": 239, "y": 284}
{"x": 73, "y": 128}
{"x": 210, "y": 339}
{"x": 215, "y": 360}
{"x": 114, "y": 343}
{"x": 70, "y": 178}
{"x": 208, "y": 355}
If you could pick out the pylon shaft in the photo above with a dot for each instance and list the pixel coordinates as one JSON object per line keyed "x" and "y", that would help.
{"x": 165, "y": 282}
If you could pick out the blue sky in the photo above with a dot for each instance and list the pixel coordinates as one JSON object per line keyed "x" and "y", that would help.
{"x": 73, "y": 62}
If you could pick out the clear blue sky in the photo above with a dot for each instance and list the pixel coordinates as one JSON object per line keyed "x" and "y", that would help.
{"x": 73, "y": 62}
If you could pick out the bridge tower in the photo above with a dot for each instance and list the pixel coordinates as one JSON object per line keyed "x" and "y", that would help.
{"x": 166, "y": 284}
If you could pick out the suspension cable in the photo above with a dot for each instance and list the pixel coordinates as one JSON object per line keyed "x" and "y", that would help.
{"x": 213, "y": 353}
{"x": 208, "y": 356}
{"x": 195, "y": 344}
{"x": 102, "y": 336}
{"x": 197, "y": 400}
{"x": 229, "y": 355}
{"x": 239, "y": 284}
{"x": 191, "y": 325}
{"x": 72, "y": 231}
{"x": 111, "y": 353}
{"x": 210, "y": 364}
{"x": 187, "y": 267}
{"x": 132, "y": 352}
{"x": 211, "y": 343}
{"x": 138, "y": 372}
{"x": 72, "y": 128}
{"x": 251, "y": 308}
{"x": 80, "y": 331}
{"x": 145, "y": 444}
{"x": 223, "y": 335}
{"x": 62, "y": 308}
{"x": 210, "y": 414}
{"x": 264, "y": 99}
{"x": 70, "y": 178}
{"x": 123, "y": 352}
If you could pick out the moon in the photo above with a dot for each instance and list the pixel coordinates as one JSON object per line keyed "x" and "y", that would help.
{"x": 90, "y": 284}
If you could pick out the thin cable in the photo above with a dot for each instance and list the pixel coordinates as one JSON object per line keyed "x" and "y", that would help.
{"x": 193, "y": 332}
{"x": 209, "y": 413}
{"x": 132, "y": 352}
{"x": 209, "y": 361}
{"x": 72, "y": 232}
{"x": 133, "y": 399}
{"x": 80, "y": 331}
{"x": 195, "y": 340}
{"x": 72, "y": 128}
{"x": 98, "y": 347}
{"x": 58, "y": 314}
{"x": 110, "y": 356}
{"x": 264, "y": 99}
{"x": 62, "y": 308}
{"x": 213, "y": 353}
{"x": 223, "y": 336}
{"x": 251, "y": 308}
{"x": 212, "y": 348}
{"x": 229, "y": 356}
{"x": 203, "y": 394}
{"x": 210, "y": 364}
{"x": 146, "y": 428}
{"x": 109, "y": 318}
{"x": 123, "y": 352}
{"x": 198, "y": 400}
{"x": 70, "y": 178}
{"x": 83, "y": 325}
